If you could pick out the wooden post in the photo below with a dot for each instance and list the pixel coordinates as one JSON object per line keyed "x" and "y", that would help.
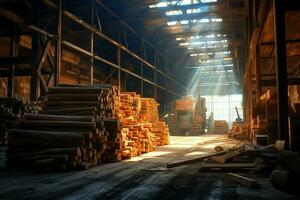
{"x": 13, "y": 53}
{"x": 142, "y": 67}
{"x": 119, "y": 58}
{"x": 92, "y": 44}
{"x": 257, "y": 73}
{"x": 281, "y": 69}
{"x": 58, "y": 55}
{"x": 34, "y": 87}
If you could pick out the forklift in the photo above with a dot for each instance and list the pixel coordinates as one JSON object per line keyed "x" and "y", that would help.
{"x": 189, "y": 117}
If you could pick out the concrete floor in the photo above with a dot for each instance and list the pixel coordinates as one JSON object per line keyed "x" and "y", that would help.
{"x": 143, "y": 177}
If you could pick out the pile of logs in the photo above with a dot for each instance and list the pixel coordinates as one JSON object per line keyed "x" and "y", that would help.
{"x": 32, "y": 106}
{"x": 69, "y": 133}
{"x": 81, "y": 127}
{"x": 11, "y": 111}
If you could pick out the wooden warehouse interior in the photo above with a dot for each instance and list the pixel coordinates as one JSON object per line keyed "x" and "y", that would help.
{"x": 153, "y": 99}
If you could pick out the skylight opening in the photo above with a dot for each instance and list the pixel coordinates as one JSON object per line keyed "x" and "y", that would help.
{"x": 208, "y": 1}
{"x": 228, "y": 59}
{"x": 171, "y": 23}
{"x": 193, "y": 11}
{"x": 216, "y": 19}
{"x": 173, "y": 12}
{"x": 184, "y": 22}
{"x": 204, "y": 21}
{"x": 162, "y": 4}
{"x": 184, "y": 44}
{"x": 188, "y": 2}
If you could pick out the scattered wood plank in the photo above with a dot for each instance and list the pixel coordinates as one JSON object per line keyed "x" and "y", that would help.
{"x": 200, "y": 158}
{"x": 224, "y": 158}
{"x": 226, "y": 166}
{"x": 250, "y": 183}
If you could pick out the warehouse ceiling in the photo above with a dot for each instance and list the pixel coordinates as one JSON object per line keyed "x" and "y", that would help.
{"x": 204, "y": 38}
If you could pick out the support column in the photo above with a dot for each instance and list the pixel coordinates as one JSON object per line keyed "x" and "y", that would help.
{"x": 281, "y": 71}
{"x": 58, "y": 55}
{"x": 155, "y": 75}
{"x": 92, "y": 44}
{"x": 119, "y": 64}
{"x": 257, "y": 73}
{"x": 119, "y": 60}
{"x": 10, "y": 78}
{"x": 35, "y": 83}
{"x": 142, "y": 66}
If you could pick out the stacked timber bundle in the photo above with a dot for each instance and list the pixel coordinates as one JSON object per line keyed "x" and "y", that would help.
{"x": 11, "y": 111}
{"x": 149, "y": 113}
{"x": 221, "y": 127}
{"x": 239, "y": 131}
{"x": 140, "y": 129}
{"x": 149, "y": 110}
{"x": 136, "y": 137}
{"x": 69, "y": 133}
{"x": 161, "y": 131}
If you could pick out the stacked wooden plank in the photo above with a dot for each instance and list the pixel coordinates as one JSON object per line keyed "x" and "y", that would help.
{"x": 69, "y": 133}
{"x": 161, "y": 131}
{"x": 220, "y": 127}
{"x": 141, "y": 129}
{"x": 239, "y": 130}
{"x": 149, "y": 113}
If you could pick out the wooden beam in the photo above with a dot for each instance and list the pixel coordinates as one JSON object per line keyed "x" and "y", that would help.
{"x": 226, "y": 166}
{"x": 257, "y": 73}
{"x": 188, "y": 161}
{"x": 226, "y": 157}
{"x": 250, "y": 183}
{"x": 15, "y": 60}
{"x": 272, "y": 82}
{"x": 281, "y": 71}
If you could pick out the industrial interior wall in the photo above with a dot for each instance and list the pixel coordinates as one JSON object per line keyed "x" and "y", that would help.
{"x": 294, "y": 94}
{"x": 76, "y": 69}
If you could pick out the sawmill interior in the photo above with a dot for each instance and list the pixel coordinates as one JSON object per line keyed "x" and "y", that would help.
{"x": 149, "y": 99}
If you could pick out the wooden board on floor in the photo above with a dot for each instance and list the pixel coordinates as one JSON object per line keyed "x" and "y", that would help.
{"x": 224, "y": 158}
{"x": 250, "y": 183}
{"x": 188, "y": 161}
{"x": 226, "y": 166}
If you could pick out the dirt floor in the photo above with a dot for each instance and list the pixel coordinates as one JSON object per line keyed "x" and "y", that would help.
{"x": 143, "y": 177}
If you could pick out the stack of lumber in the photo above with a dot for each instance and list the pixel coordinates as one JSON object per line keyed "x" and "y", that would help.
{"x": 69, "y": 133}
{"x": 149, "y": 113}
{"x": 220, "y": 127}
{"x": 32, "y": 106}
{"x": 11, "y": 111}
{"x": 81, "y": 127}
{"x": 239, "y": 131}
{"x": 140, "y": 130}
